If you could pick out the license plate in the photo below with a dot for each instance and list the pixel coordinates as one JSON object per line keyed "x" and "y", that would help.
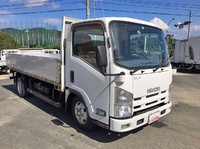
{"x": 153, "y": 117}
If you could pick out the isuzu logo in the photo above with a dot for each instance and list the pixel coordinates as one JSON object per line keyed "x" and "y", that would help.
{"x": 155, "y": 89}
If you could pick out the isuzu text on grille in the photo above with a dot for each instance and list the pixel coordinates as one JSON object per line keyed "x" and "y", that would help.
{"x": 153, "y": 89}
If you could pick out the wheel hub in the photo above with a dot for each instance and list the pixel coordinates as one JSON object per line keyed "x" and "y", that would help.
{"x": 80, "y": 112}
{"x": 19, "y": 87}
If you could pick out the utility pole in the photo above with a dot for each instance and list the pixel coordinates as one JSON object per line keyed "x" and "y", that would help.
{"x": 189, "y": 24}
{"x": 87, "y": 9}
{"x": 94, "y": 8}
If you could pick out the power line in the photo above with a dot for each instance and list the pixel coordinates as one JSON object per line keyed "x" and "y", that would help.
{"x": 39, "y": 2}
{"x": 176, "y": 4}
{"x": 111, "y": 10}
{"x": 120, "y": 4}
{"x": 168, "y": 4}
{"x": 143, "y": 12}
{"x": 161, "y": 4}
{"x": 37, "y": 12}
{"x": 42, "y": 5}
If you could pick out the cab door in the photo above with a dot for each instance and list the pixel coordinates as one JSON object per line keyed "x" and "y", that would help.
{"x": 85, "y": 77}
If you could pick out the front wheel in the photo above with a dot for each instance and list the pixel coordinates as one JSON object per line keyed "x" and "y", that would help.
{"x": 80, "y": 115}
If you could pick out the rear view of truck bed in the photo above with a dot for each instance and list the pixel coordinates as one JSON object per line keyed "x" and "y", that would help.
{"x": 41, "y": 66}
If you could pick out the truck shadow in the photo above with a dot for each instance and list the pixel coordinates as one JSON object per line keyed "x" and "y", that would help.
{"x": 62, "y": 119}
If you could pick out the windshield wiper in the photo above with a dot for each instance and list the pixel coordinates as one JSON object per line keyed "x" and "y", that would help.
{"x": 159, "y": 66}
{"x": 139, "y": 68}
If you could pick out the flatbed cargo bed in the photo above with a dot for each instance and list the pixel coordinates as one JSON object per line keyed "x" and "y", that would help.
{"x": 42, "y": 66}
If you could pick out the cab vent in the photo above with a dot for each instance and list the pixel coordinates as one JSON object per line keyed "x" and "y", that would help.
{"x": 135, "y": 99}
{"x": 151, "y": 103}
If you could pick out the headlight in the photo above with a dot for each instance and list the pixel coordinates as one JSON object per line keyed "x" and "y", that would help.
{"x": 123, "y": 103}
{"x": 125, "y": 111}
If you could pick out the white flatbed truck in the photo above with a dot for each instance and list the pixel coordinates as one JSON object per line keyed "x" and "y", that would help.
{"x": 112, "y": 72}
{"x": 3, "y": 65}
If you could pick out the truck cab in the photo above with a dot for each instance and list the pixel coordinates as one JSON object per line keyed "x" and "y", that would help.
{"x": 120, "y": 71}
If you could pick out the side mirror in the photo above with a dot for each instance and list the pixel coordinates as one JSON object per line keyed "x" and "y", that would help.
{"x": 101, "y": 57}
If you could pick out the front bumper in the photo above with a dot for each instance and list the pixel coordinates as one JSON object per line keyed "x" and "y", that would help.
{"x": 123, "y": 125}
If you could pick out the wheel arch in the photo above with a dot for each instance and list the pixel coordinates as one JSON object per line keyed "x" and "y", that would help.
{"x": 24, "y": 77}
{"x": 70, "y": 97}
{"x": 72, "y": 94}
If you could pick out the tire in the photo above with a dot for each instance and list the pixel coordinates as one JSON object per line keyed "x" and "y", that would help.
{"x": 7, "y": 71}
{"x": 80, "y": 115}
{"x": 21, "y": 87}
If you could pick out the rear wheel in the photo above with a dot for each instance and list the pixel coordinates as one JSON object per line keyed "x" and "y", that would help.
{"x": 21, "y": 87}
{"x": 80, "y": 115}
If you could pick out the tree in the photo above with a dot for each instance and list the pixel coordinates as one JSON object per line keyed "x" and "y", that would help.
{"x": 171, "y": 41}
{"x": 7, "y": 42}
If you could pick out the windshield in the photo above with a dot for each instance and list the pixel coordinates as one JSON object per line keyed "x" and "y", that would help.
{"x": 137, "y": 45}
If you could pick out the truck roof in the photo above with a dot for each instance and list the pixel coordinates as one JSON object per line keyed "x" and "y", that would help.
{"x": 108, "y": 19}
{"x": 191, "y": 38}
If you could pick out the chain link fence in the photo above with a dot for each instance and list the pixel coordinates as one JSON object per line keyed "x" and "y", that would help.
{"x": 32, "y": 33}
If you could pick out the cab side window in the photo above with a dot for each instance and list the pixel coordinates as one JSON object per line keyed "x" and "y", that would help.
{"x": 86, "y": 39}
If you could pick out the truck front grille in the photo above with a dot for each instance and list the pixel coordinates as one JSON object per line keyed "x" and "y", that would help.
{"x": 145, "y": 102}
{"x": 151, "y": 95}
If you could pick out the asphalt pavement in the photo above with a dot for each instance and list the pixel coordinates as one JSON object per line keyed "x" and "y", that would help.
{"x": 31, "y": 123}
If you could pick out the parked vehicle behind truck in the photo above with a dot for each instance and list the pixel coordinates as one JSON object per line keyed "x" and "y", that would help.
{"x": 3, "y": 65}
{"x": 187, "y": 54}
{"x": 111, "y": 72}
{"x": 2, "y": 61}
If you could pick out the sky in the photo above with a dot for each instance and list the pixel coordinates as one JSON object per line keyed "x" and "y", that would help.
{"x": 159, "y": 12}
